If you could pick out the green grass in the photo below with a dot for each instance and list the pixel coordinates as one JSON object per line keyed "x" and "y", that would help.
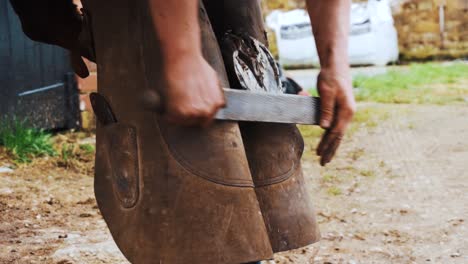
{"x": 367, "y": 173}
{"x": 313, "y": 92}
{"x": 365, "y": 117}
{"x": 330, "y": 178}
{"x": 24, "y": 142}
{"x": 356, "y": 154}
{"x": 74, "y": 155}
{"x": 335, "y": 191}
{"x": 426, "y": 83}
{"x": 87, "y": 148}
{"x": 67, "y": 152}
{"x": 368, "y": 117}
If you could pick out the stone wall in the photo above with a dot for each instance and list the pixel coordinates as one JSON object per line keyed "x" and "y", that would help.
{"x": 424, "y": 34}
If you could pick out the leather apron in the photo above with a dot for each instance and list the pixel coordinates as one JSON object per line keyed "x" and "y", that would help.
{"x": 229, "y": 193}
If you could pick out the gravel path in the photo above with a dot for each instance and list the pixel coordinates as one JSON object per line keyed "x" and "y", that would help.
{"x": 397, "y": 193}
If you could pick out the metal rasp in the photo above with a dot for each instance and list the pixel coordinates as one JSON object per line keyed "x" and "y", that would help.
{"x": 273, "y": 108}
{"x": 251, "y": 106}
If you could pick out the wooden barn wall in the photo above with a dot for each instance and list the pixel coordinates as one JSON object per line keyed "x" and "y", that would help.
{"x": 36, "y": 82}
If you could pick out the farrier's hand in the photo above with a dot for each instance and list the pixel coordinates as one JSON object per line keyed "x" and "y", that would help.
{"x": 337, "y": 110}
{"x": 193, "y": 94}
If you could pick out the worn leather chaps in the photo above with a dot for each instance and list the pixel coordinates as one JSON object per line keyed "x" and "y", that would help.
{"x": 229, "y": 193}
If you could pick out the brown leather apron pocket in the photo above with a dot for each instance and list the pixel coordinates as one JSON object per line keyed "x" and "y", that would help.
{"x": 122, "y": 148}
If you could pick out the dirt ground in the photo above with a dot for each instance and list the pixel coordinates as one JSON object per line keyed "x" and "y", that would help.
{"x": 397, "y": 193}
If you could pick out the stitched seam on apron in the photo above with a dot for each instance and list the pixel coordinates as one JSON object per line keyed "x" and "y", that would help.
{"x": 278, "y": 179}
{"x": 184, "y": 164}
{"x": 187, "y": 167}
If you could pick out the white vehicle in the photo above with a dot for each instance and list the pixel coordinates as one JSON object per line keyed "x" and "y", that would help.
{"x": 373, "y": 37}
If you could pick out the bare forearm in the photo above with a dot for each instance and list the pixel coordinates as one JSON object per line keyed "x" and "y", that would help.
{"x": 178, "y": 29}
{"x": 176, "y": 23}
{"x": 330, "y": 23}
